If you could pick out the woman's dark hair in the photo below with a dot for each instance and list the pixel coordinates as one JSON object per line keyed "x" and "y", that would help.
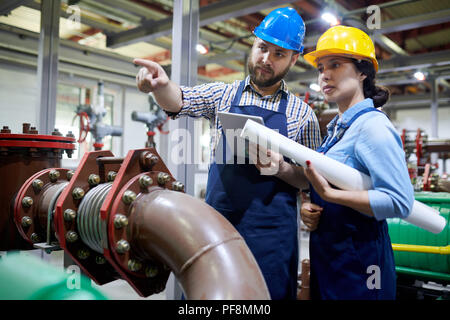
{"x": 379, "y": 95}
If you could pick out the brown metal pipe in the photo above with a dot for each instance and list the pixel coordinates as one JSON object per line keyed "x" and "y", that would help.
{"x": 208, "y": 256}
{"x": 304, "y": 293}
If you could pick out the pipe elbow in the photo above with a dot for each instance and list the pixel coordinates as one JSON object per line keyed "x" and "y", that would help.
{"x": 208, "y": 256}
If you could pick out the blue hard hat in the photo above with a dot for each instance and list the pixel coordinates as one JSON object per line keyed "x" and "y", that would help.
{"x": 283, "y": 27}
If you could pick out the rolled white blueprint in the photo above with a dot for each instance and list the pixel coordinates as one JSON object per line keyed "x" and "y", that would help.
{"x": 337, "y": 173}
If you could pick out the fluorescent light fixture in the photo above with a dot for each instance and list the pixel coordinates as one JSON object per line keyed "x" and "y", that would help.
{"x": 419, "y": 75}
{"x": 201, "y": 49}
{"x": 315, "y": 87}
{"x": 330, "y": 18}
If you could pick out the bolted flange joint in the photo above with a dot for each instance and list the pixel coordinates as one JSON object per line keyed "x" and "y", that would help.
{"x": 69, "y": 215}
{"x": 93, "y": 179}
{"x": 37, "y": 185}
{"x": 177, "y": 186}
{"x": 71, "y": 236}
{"x": 134, "y": 265}
{"x": 27, "y": 202}
{"x": 53, "y": 175}
{"x": 145, "y": 181}
{"x": 26, "y": 221}
{"x": 70, "y": 174}
{"x": 77, "y": 193}
{"x": 128, "y": 197}
{"x": 120, "y": 221}
{"x": 111, "y": 176}
{"x": 163, "y": 178}
{"x": 122, "y": 246}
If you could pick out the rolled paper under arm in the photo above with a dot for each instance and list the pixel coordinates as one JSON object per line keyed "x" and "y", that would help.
{"x": 337, "y": 173}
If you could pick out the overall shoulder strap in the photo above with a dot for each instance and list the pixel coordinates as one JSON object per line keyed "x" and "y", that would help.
{"x": 238, "y": 95}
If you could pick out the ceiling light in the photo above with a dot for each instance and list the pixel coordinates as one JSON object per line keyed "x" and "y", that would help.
{"x": 330, "y": 18}
{"x": 419, "y": 75}
{"x": 201, "y": 49}
{"x": 315, "y": 87}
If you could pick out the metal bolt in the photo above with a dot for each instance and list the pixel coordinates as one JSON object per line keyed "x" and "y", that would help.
{"x": 153, "y": 159}
{"x": 94, "y": 179}
{"x": 27, "y": 221}
{"x": 145, "y": 181}
{"x": 120, "y": 221}
{"x": 56, "y": 132}
{"x": 37, "y": 185}
{"x": 27, "y": 202}
{"x": 149, "y": 159}
{"x": 83, "y": 254}
{"x": 100, "y": 260}
{"x": 163, "y": 178}
{"x": 71, "y": 236}
{"x": 177, "y": 186}
{"x": 35, "y": 237}
{"x": 5, "y": 130}
{"x": 70, "y": 174}
{"x": 122, "y": 246}
{"x": 134, "y": 265}
{"x": 111, "y": 176}
{"x": 128, "y": 197}
{"x": 151, "y": 271}
{"x": 54, "y": 175}
{"x": 69, "y": 215}
{"x": 77, "y": 193}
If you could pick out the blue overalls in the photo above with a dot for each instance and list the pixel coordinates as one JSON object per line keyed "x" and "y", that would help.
{"x": 263, "y": 209}
{"x": 349, "y": 250}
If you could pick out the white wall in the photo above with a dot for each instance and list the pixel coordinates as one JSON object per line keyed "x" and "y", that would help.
{"x": 421, "y": 118}
{"x": 19, "y": 104}
{"x": 18, "y": 97}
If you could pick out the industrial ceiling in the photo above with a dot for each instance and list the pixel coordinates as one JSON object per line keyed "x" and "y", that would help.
{"x": 411, "y": 36}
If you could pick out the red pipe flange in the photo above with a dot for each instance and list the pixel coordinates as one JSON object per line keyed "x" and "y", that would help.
{"x": 146, "y": 274}
{"x": 133, "y": 166}
{"x": 31, "y": 203}
{"x": 67, "y": 206}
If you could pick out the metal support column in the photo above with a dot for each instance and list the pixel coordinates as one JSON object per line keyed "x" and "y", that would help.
{"x": 184, "y": 72}
{"x": 434, "y": 106}
{"x": 47, "y": 68}
{"x": 434, "y": 113}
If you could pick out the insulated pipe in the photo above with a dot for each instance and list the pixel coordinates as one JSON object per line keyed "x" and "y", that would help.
{"x": 208, "y": 256}
{"x": 335, "y": 172}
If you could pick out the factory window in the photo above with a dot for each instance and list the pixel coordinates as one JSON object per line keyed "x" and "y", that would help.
{"x": 72, "y": 101}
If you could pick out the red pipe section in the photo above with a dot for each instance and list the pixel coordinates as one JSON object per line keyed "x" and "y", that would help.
{"x": 208, "y": 256}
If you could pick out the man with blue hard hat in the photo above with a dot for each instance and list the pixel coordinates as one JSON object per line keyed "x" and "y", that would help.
{"x": 261, "y": 203}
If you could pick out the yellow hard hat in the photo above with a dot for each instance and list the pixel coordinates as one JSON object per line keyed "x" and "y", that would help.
{"x": 342, "y": 40}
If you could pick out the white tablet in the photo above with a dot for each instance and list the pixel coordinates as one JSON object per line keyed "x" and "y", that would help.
{"x": 236, "y": 120}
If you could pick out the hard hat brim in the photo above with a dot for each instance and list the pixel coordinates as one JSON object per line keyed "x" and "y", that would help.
{"x": 313, "y": 56}
{"x": 276, "y": 42}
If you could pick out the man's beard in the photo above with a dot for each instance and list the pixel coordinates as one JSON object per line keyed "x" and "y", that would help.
{"x": 265, "y": 83}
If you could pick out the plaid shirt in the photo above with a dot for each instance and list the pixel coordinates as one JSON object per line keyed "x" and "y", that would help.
{"x": 206, "y": 100}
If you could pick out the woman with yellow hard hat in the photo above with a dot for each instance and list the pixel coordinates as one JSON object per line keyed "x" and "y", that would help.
{"x": 350, "y": 249}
